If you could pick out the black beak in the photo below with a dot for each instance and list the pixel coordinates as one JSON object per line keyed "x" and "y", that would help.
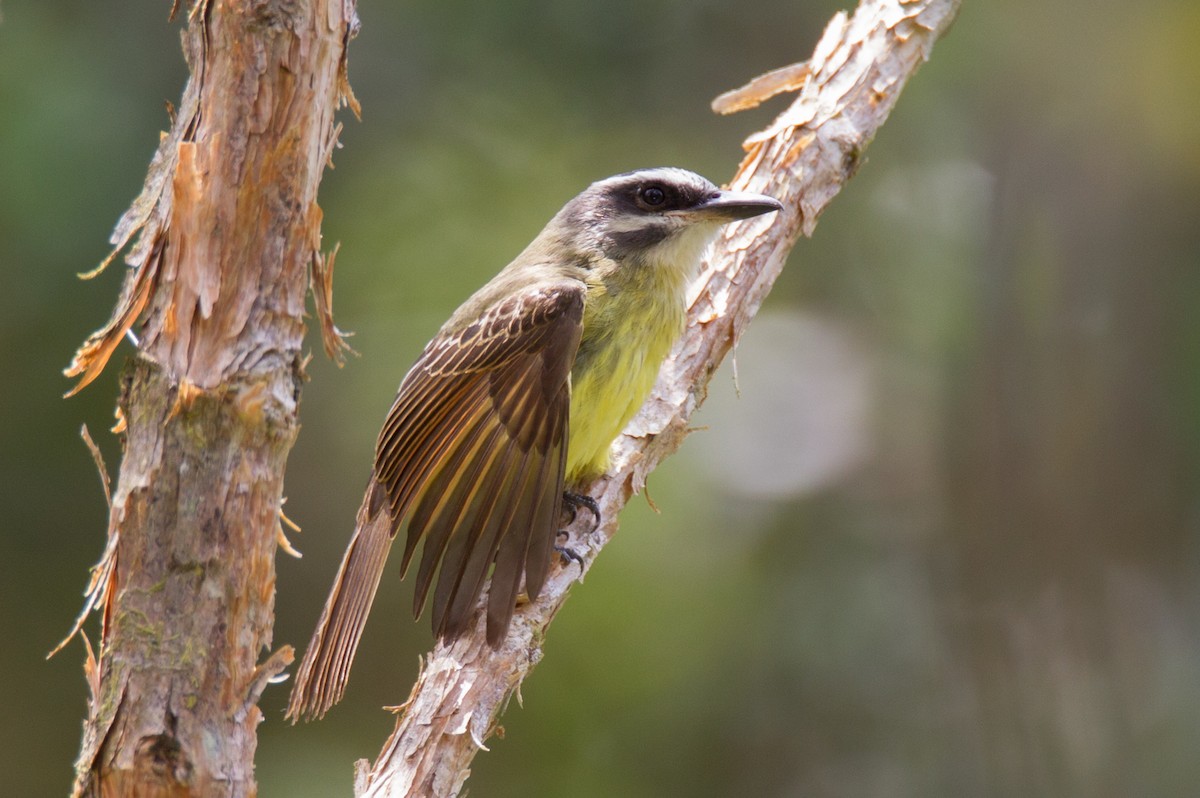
{"x": 730, "y": 206}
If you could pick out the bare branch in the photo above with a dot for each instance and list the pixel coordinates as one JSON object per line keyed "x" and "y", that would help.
{"x": 803, "y": 158}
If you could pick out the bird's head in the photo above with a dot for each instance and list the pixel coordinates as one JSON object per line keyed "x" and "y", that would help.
{"x": 664, "y": 215}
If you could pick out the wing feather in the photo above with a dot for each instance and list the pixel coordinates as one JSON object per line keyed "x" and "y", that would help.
{"x": 490, "y": 494}
{"x": 438, "y": 469}
{"x": 465, "y": 565}
{"x": 511, "y": 556}
{"x": 474, "y": 449}
{"x": 537, "y": 560}
{"x": 446, "y": 506}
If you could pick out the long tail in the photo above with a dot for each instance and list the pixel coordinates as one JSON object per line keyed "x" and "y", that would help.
{"x": 321, "y": 680}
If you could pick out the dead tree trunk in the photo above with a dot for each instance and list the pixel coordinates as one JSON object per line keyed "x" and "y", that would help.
{"x": 229, "y": 227}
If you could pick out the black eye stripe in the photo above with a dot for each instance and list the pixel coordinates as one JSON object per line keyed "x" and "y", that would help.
{"x": 653, "y": 195}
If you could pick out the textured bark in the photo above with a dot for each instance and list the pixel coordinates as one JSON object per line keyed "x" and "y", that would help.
{"x": 846, "y": 91}
{"x": 229, "y": 227}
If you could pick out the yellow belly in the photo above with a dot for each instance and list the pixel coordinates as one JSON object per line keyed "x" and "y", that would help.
{"x": 622, "y": 349}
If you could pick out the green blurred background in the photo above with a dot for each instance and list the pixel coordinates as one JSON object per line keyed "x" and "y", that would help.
{"x": 945, "y": 542}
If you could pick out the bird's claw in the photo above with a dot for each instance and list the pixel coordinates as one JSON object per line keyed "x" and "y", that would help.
{"x": 567, "y": 554}
{"x": 573, "y": 501}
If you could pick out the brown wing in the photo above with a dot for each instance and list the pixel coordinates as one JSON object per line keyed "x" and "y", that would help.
{"x": 474, "y": 448}
{"x": 473, "y": 452}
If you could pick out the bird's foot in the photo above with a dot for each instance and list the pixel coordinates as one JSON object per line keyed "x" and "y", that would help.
{"x": 573, "y": 501}
{"x": 568, "y": 554}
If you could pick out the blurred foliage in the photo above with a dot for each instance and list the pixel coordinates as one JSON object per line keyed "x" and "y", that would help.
{"x": 953, "y": 547}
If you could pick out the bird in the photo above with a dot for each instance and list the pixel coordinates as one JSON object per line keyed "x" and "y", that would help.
{"x": 514, "y": 404}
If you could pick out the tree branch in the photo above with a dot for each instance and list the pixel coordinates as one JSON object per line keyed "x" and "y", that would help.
{"x": 229, "y": 226}
{"x": 846, "y": 91}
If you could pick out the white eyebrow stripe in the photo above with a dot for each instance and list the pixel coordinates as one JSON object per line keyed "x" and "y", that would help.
{"x": 664, "y": 174}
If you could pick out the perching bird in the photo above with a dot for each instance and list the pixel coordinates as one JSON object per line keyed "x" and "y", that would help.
{"x": 518, "y": 396}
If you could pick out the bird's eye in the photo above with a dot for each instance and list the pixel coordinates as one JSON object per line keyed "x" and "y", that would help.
{"x": 652, "y": 196}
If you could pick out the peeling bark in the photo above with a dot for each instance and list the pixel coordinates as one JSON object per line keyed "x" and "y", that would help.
{"x": 846, "y": 91}
{"x": 229, "y": 227}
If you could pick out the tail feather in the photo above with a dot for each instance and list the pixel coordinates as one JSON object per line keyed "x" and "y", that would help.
{"x": 321, "y": 679}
